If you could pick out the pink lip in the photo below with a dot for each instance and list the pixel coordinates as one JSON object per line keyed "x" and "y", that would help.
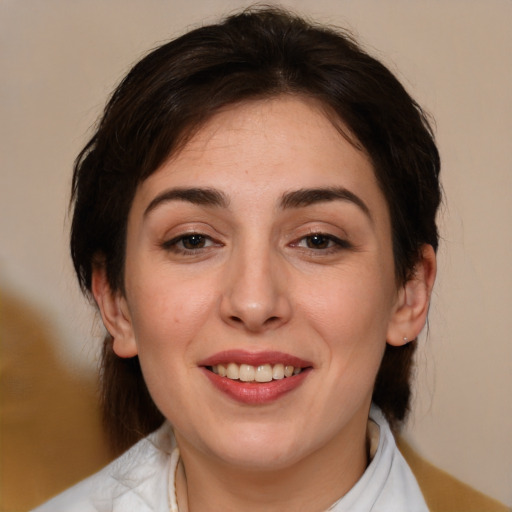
{"x": 254, "y": 358}
{"x": 256, "y": 393}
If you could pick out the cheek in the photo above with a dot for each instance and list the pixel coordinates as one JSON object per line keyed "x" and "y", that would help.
{"x": 167, "y": 321}
{"x": 351, "y": 314}
{"x": 167, "y": 313}
{"x": 350, "y": 302}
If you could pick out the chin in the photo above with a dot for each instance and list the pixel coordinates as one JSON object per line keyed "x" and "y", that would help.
{"x": 260, "y": 448}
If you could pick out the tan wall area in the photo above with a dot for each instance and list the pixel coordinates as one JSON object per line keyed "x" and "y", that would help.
{"x": 60, "y": 59}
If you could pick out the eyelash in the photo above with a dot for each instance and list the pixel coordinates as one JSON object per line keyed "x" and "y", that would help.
{"x": 173, "y": 245}
{"x": 334, "y": 244}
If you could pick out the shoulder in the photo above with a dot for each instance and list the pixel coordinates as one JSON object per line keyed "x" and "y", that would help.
{"x": 443, "y": 492}
{"x": 137, "y": 480}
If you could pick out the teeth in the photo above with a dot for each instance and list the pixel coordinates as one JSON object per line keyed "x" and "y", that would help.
{"x": 278, "y": 372}
{"x": 261, "y": 373}
{"x": 233, "y": 371}
{"x": 246, "y": 373}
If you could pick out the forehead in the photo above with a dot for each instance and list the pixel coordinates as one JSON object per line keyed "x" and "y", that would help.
{"x": 268, "y": 139}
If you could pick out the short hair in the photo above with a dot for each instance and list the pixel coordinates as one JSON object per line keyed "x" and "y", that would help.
{"x": 166, "y": 97}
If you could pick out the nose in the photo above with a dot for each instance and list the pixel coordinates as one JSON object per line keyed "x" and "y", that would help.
{"x": 255, "y": 296}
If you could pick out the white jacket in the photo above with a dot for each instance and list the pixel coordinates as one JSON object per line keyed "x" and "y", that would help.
{"x": 142, "y": 480}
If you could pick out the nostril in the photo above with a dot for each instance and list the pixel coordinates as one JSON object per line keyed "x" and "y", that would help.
{"x": 271, "y": 320}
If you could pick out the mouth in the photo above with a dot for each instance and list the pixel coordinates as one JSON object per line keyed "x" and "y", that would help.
{"x": 250, "y": 373}
{"x": 255, "y": 378}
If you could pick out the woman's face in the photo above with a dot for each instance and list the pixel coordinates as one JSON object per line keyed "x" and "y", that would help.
{"x": 264, "y": 244}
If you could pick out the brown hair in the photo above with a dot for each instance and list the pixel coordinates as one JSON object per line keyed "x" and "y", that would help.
{"x": 258, "y": 53}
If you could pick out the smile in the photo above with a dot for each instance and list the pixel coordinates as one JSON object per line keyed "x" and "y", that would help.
{"x": 250, "y": 373}
{"x": 255, "y": 378}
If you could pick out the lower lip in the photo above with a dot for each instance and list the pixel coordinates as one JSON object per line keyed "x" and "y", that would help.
{"x": 256, "y": 393}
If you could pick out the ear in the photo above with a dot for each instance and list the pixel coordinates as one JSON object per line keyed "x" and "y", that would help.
{"x": 114, "y": 313}
{"x": 413, "y": 300}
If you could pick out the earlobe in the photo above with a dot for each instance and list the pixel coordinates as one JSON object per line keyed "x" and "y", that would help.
{"x": 114, "y": 313}
{"x": 413, "y": 301}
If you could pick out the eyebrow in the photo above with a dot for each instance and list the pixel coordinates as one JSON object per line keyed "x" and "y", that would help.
{"x": 309, "y": 196}
{"x": 199, "y": 196}
{"x": 294, "y": 199}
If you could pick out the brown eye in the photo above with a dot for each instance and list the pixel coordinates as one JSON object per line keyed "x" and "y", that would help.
{"x": 188, "y": 244}
{"x": 193, "y": 242}
{"x": 318, "y": 241}
{"x": 323, "y": 243}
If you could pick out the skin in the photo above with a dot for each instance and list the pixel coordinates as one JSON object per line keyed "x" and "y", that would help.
{"x": 257, "y": 282}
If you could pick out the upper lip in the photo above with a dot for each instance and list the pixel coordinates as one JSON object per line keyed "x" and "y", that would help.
{"x": 254, "y": 358}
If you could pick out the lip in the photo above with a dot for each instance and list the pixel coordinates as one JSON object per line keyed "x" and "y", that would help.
{"x": 256, "y": 393}
{"x": 254, "y": 358}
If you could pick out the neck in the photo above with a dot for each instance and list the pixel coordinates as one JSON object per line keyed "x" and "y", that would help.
{"x": 203, "y": 483}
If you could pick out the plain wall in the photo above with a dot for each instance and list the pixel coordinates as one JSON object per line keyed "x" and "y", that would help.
{"x": 59, "y": 60}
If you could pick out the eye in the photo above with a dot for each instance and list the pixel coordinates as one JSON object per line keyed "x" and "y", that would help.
{"x": 318, "y": 241}
{"x": 194, "y": 241}
{"x": 322, "y": 242}
{"x": 191, "y": 242}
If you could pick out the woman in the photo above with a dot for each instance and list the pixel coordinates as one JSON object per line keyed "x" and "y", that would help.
{"x": 255, "y": 219}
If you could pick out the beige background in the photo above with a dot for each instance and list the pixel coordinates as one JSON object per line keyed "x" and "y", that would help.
{"x": 59, "y": 60}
